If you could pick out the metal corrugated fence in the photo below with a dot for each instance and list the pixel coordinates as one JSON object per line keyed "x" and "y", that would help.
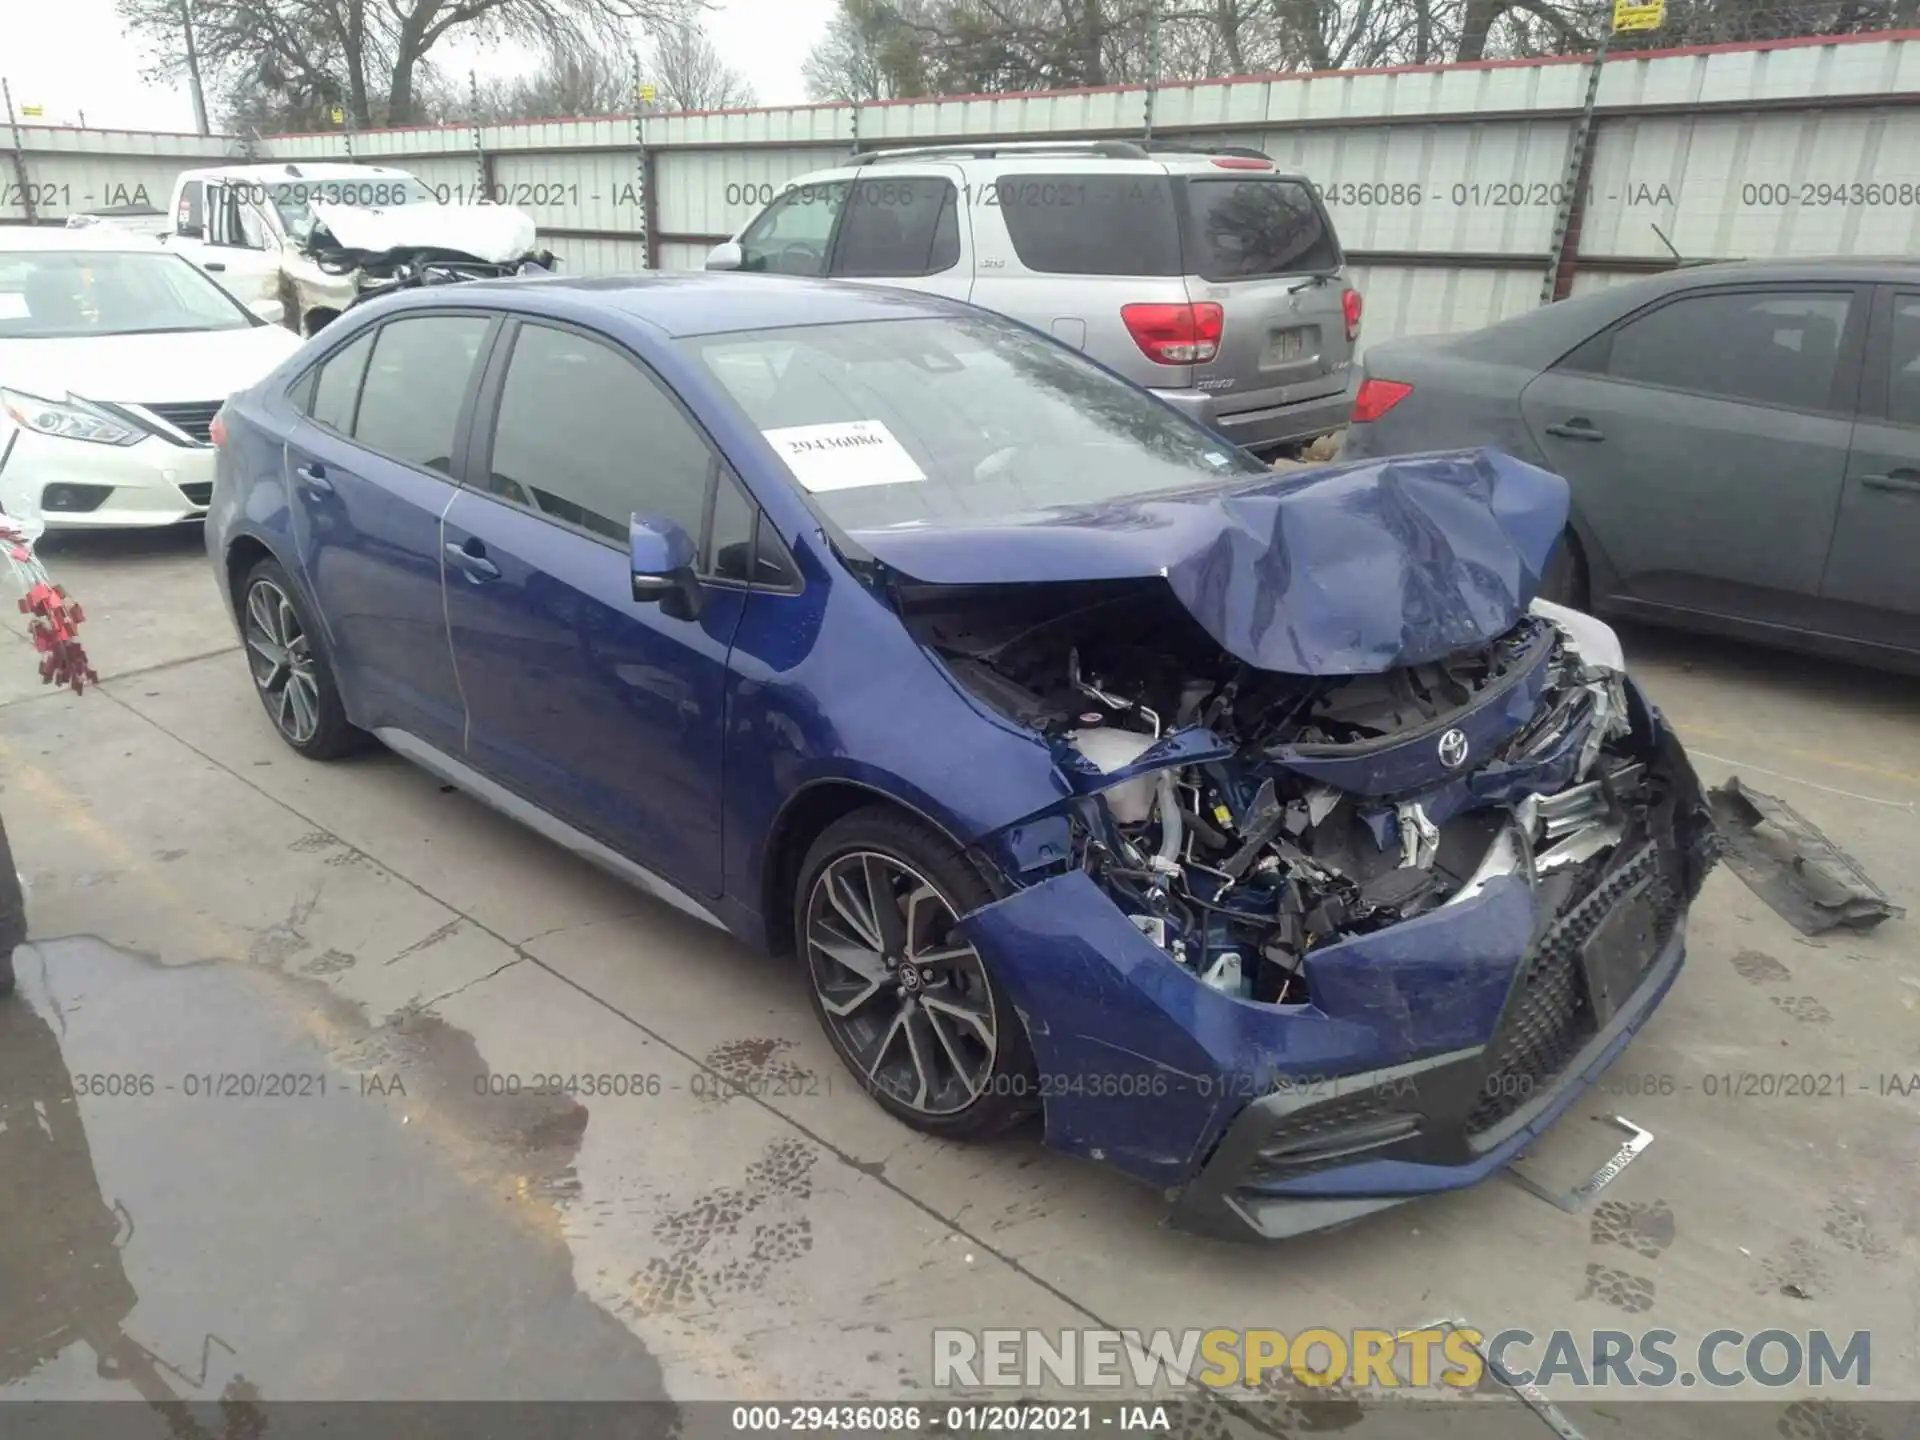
{"x": 1447, "y": 183}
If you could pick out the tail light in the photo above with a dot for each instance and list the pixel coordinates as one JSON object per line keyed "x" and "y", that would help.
{"x": 1242, "y": 162}
{"x": 1376, "y": 397}
{"x": 1350, "y": 306}
{"x": 1176, "y": 334}
{"x": 217, "y": 429}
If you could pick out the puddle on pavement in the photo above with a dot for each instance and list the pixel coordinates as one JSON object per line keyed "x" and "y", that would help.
{"x": 163, "y": 1237}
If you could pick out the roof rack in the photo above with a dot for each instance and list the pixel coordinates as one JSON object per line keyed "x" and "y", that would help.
{"x": 989, "y": 150}
{"x": 1176, "y": 147}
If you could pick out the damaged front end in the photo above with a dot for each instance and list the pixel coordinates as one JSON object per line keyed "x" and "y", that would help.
{"x": 357, "y": 254}
{"x": 1303, "y": 945}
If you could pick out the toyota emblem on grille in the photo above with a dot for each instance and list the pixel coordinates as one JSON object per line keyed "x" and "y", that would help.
{"x": 1453, "y": 749}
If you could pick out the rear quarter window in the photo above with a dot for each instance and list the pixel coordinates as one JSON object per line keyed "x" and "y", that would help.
{"x": 1243, "y": 229}
{"x": 1092, "y": 224}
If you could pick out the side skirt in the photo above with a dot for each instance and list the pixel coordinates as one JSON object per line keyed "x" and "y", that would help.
{"x": 458, "y": 773}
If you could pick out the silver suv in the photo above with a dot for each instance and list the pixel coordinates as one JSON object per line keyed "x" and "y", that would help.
{"x": 1210, "y": 277}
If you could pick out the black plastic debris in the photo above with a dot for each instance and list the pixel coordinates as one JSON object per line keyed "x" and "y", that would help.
{"x": 1789, "y": 862}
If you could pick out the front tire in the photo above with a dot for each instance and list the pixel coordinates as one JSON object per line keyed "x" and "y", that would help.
{"x": 911, "y": 1008}
{"x": 291, "y": 672}
{"x": 1565, "y": 579}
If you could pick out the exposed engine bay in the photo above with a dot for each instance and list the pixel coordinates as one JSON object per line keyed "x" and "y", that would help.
{"x": 1243, "y": 818}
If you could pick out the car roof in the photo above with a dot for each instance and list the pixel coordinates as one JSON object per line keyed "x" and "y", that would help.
{"x": 712, "y": 302}
{"x": 17, "y": 238}
{"x": 1893, "y": 269}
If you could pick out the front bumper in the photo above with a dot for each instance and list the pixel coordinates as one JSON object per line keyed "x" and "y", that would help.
{"x": 1431, "y": 1053}
{"x": 155, "y": 482}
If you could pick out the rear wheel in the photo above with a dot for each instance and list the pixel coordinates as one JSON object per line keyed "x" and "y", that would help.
{"x": 909, "y": 1005}
{"x": 291, "y": 672}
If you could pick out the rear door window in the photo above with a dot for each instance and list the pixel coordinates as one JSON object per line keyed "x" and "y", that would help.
{"x": 1091, "y": 224}
{"x": 416, "y": 384}
{"x": 337, "y": 389}
{"x": 1766, "y": 347}
{"x": 1245, "y": 229}
{"x": 907, "y": 226}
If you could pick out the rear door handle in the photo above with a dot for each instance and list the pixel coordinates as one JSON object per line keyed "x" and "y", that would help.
{"x": 314, "y": 476}
{"x": 216, "y": 265}
{"x": 1897, "y": 480}
{"x": 474, "y": 561}
{"x": 1576, "y": 430}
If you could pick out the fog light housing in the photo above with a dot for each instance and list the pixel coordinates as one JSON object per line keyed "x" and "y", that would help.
{"x": 74, "y": 499}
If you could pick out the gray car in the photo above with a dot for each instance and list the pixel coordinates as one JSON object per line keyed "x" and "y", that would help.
{"x": 1742, "y": 442}
{"x": 1212, "y": 278}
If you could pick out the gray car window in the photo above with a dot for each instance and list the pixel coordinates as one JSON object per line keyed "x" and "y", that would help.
{"x": 586, "y": 438}
{"x": 1903, "y": 379}
{"x": 1067, "y": 224}
{"x": 899, "y": 227}
{"x": 1766, "y": 347}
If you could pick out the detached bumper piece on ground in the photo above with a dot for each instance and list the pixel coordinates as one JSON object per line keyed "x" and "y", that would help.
{"x": 1788, "y": 862}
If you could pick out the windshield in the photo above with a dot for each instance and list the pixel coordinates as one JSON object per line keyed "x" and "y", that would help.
{"x": 63, "y": 294}
{"x": 294, "y": 199}
{"x": 908, "y": 422}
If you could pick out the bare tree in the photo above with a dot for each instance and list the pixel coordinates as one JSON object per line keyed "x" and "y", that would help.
{"x": 570, "y": 80}
{"x": 366, "y": 55}
{"x": 689, "y": 74}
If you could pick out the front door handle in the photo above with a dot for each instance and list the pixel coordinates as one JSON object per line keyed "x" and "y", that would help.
{"x": 1908, "y": 480}
{"x": 216, "y": 265}
{"x": 1576, "y": 429}
{"x": 314, "y": 476}
{"x": 471, "y": 556}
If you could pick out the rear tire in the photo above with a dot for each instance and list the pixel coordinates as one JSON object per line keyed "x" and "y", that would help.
{"x": 292, "y": 672}
{"x": 1564, "y": 581}
{"x": 913, "y": 1010}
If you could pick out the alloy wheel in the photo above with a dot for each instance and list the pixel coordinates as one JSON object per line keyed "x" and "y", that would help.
{"x": 281, "y": 658}
{"x": 905, "y": 996}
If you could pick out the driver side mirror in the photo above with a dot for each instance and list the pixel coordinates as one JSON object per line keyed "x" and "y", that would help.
{"x": 663, "y": 567}
{"x": 727, "y": 255}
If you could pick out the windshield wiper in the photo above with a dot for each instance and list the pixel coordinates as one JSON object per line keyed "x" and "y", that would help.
{"x": 1319, "y": 277}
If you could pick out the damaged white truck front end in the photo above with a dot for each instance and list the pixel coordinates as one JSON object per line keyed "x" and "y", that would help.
{"x": 303, "y": 242}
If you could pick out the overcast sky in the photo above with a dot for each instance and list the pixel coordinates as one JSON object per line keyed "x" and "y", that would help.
{"x": 71, "y": 57}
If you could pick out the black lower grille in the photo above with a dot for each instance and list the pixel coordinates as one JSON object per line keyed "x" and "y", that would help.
{"x": 1550, "y": 1015}
{"x": 198, "y": 493}
{"x": 195, "y": 419}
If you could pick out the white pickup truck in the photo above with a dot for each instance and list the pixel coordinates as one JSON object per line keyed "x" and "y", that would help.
{"x": 314, "y": 238}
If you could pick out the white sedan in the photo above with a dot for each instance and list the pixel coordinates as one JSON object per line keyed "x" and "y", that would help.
{"x": 114, "y": 356}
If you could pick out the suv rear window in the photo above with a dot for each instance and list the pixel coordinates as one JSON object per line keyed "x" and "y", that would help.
{"x": 1241, "y": 229}
{"x": 1093, "y": 224}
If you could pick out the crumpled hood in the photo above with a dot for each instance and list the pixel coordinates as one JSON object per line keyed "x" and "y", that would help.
{"x": 1347, "y": 570}
{"x": 497, "y": 234}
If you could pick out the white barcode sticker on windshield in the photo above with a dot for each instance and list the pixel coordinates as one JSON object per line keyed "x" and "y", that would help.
{"x": 845, "y": 455}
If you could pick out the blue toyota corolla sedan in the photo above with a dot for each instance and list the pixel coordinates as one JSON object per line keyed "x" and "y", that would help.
{"x": 1264, "y": 833}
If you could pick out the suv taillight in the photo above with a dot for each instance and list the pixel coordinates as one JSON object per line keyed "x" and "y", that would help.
{"x": 1376, "y": 397}
{"x": 217, "y": 429}
{"x": 1176, "y": 334}
{"x": 1350, "y": 307}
